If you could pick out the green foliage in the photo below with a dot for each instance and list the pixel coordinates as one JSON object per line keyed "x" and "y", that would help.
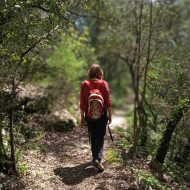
{"x": 147, "y": 179}
{"x": 28, "y": 132}
{"x": 153, "y": 142}
{"x": 107, "y": 37}
{"x": 179, "y": 172}
{"x": 66, "y": 64}
{"x": 64, "y": 68}
{"x": 118, "y": 100}
{"x": 126, "y": 137}
{"x": 63, "y": 126}
{"x": 23, "y": 169}
{"x": 168, "y": 93}
{"x": 113, "y": 157}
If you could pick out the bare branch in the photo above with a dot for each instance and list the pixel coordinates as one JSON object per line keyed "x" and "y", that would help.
{"x": 41, "y": 8}
{"x": 148, "y": 53}
{"x": 89, "y": 16}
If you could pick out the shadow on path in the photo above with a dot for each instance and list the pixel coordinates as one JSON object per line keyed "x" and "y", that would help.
{"x": 75, "y": 175}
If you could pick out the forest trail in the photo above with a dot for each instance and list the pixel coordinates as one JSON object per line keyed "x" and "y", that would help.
{"x": 119, "y": 119}
{"x": 63, "y": 161}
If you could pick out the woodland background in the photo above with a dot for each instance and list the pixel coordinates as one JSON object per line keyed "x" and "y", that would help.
{"x": 143, "y": 47}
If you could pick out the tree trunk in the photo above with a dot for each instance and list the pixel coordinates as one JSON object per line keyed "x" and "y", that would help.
{"x": 13, "y": 93}
{"x": 135, "y": 136}
{"x": 142, "y": 112}
{"x": 11, "y": 133}
{"x": 136, "y": 69}
{"x": 4, "y": 161}
{"x": 165, "y": 141}
{"x": 2, "y": 150}
{"x": 12, "y": 140}
{"x": 143, "y": 124}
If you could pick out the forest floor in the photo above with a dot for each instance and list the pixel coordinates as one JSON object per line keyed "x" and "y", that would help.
{"x": 55, "y": 160}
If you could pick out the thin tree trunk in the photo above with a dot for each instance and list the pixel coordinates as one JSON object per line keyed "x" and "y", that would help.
{"x": 143, "y": 123}
{"x": 135, "y": 126}
{"x": 148, "y": 59}
{"x": 2, "y": 150}
{"x": 4, "y": 160}
{"x": 165, "y": 141}
{"x": 13, "y": 161}
{"x": 13, "y": 96}
{"x": 137, "y": 77}
{"x": 142, "y": 113}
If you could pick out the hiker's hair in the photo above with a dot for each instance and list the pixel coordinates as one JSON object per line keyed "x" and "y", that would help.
{"x": 95, "y": 71}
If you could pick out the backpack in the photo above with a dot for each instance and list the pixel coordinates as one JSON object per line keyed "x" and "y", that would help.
{"x": 95, "y": 102}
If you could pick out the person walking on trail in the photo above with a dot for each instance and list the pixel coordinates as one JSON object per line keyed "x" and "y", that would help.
{"x": 95, "y": 107}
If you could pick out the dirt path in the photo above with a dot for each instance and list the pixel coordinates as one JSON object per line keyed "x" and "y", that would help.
{"x": 118, "y": 119}
{"x": 62, "y": 161}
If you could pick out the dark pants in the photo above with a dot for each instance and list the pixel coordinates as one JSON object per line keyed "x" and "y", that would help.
{"x": 97, "y": 131}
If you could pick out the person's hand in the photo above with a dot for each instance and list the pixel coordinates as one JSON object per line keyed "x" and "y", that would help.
{"x": 109, "y": 120}
{"x": 109, "y": 115}
{"x": 83, "y": 122}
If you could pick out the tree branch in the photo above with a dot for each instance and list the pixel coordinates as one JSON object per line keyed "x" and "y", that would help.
{"x": 148, "y": 53}
{"x": 23, "y": 54}
{"x": 41, "y": 8}
{"x": 89, "y": 16}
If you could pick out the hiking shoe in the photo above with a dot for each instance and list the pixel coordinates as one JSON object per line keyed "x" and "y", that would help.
{"x": 98, "y": 165}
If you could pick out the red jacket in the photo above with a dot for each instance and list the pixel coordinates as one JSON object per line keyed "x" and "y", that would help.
{"x": 99, "y": 84}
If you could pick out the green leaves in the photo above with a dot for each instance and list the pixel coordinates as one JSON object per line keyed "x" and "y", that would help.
{"x": 147, "y": 179}
{"x": 70, "y": 59}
